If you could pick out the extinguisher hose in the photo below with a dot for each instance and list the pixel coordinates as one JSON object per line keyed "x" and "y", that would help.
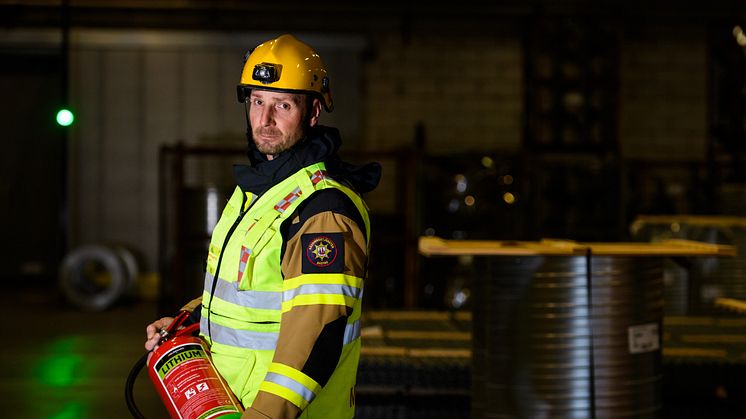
{"x": 130, "y": 385}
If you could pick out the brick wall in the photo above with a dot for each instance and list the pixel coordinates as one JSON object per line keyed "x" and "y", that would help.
{"x": 467, "y": 93}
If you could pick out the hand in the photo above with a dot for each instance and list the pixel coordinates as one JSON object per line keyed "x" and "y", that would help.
{"x": 153, "y": 332}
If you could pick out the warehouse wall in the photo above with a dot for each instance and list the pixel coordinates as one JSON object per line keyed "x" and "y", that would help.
{"x": 466, "y": 92}
{"x": 663, "y": 92}
{"x": 137, "y": 90}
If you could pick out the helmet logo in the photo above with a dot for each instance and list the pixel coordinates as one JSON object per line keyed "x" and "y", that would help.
{"x": 266, "y": 73}
{"x": 325, "y": 84}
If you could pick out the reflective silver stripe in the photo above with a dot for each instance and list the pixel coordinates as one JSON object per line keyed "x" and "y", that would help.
{"x": 346, "y": 290}
{"x": 228, "y": 291}
{"x": 291, "y": 385}
{"x": 352, "y": 332}
{"x": 240, "y": 338}
{"x": 285, "y": 202}
{"x": 318, "y": 176}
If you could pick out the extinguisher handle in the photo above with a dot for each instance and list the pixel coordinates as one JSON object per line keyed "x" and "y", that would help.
{"x": 188, "y": 330}
{"x": 174, "y": 326}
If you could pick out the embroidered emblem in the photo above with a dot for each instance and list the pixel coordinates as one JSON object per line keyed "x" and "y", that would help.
{"x": 322, "y": 253}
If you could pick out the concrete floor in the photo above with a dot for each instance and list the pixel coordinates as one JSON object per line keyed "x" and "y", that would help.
{"x": 61, "y": 363}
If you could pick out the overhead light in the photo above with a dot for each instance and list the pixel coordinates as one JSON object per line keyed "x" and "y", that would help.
{"x": 741, "y": 39}
{"x": 509, "y": 198}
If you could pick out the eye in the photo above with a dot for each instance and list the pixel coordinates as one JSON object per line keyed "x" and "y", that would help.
{"x": 284, "y": 106}
{"x": 257, "y": 102}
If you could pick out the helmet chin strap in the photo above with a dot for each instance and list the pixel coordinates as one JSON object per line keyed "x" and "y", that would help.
{"x": 249, "y": 135}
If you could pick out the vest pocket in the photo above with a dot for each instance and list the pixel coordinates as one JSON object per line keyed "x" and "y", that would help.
{"x": 248, "y": 278}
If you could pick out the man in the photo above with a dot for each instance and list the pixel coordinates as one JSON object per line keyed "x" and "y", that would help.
{"x": 286, "y": 262}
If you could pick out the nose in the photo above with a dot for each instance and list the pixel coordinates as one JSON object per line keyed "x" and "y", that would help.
{"x": 266, "y": 117}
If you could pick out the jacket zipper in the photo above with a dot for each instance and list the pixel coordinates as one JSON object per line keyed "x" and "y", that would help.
{"x": 220, "y": 259}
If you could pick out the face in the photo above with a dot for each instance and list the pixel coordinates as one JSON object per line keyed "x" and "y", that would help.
{"x": 278, "y": 120}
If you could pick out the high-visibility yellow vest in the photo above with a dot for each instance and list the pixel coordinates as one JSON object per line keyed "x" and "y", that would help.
{"x": 249, "y": 295}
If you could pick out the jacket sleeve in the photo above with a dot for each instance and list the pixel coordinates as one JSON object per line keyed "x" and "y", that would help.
{"x": 193, "y": 307}
{"x": 323, "y": 265}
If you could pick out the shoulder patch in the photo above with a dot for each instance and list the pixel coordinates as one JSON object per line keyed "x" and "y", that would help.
{"x": 323, "y": 253}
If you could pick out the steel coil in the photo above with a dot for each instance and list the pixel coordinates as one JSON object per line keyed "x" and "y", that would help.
{"x": 553, "y": 337}
{"x": 94, "y": 277}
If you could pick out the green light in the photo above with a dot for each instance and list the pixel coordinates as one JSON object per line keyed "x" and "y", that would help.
{"x": 59, "y": 370}
{"x": 65, "y": 117}
{"x": 72, "y": 410}
{"x": 62, "y": 365}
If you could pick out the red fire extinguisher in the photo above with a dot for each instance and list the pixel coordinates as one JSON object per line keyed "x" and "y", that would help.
{"x": 185, "y": 377}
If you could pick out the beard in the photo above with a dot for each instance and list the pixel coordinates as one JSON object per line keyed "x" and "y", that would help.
{"x": 272, "y": 141}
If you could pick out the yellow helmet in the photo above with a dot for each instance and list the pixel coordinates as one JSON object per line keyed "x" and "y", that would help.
{"x": 286, "y": 64}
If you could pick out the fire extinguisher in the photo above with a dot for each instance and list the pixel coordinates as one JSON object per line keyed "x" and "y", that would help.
{"x": 184, "y": 376}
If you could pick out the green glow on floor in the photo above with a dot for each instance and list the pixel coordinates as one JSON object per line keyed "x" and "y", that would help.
{"x": 70, "y": 411}
{"x": 61, "y": 367}
{"x": 59, "y": 370}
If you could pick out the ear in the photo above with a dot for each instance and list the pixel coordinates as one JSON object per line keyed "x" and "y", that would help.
{"x": 315, "y": 112}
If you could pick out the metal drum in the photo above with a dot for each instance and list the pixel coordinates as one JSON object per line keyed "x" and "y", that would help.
{"x": 714, "y": 277}
{"x": 692, "y": 287}
{"x": 550, "y": 340}
{"x": 676, "y": 273}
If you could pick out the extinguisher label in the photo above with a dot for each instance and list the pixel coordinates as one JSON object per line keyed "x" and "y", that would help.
{"x": 192, "y": 384}
{"x": 178, "y": 356}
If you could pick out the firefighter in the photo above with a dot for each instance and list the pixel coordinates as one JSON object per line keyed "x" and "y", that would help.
{"x": 287, "y": 259}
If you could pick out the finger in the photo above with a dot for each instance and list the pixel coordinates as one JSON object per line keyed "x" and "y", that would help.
{"x": 155, "y": 327}
{"x": 164, "y": 322}
{"x": 151, "y": 344}
{"x": 153, "y": 334}
{"x": 150, "y": 330}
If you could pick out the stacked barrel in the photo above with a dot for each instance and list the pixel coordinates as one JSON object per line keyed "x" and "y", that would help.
{"x": 567, "y": 330}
